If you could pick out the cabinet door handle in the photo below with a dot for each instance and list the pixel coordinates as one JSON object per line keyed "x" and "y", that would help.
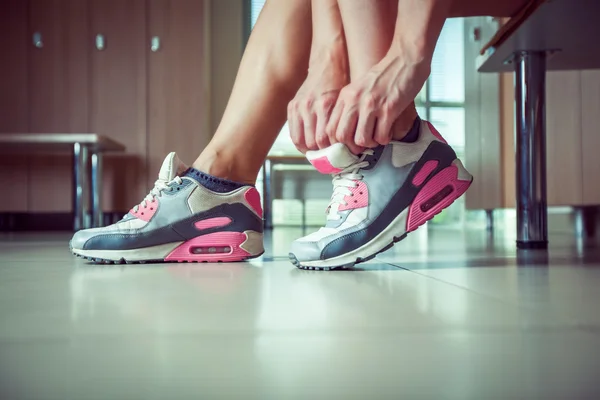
{"x": 100, "y": 42}
{"x": 37, "y": 40}
{"x": 155, "y": 44}
{"x": 476, "y": 34}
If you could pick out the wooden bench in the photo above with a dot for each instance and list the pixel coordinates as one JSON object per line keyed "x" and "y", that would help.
{"x": 87, "y": 150}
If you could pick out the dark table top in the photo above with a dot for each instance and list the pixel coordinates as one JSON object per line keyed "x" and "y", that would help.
{"x": 569, "y": 27}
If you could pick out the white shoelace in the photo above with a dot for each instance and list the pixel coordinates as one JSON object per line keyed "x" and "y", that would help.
{"x": 342, "y": 181}
{"x": 159, "y": 187}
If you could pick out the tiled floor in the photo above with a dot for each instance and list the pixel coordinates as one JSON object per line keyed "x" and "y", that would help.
{"x": 446, "y": 314}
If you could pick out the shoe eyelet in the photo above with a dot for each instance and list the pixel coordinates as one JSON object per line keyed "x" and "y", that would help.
{"x": 151, "y": 208}
{"x": 360, "y": 193}
{"x": 142, "y": 213}
{"x": 356, "y": 201}
{"x": 177, "y": 188}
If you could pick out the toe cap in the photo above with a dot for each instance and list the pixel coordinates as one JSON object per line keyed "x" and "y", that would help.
{"x": 81, "y": 238}
{"x": 305, "y": 250}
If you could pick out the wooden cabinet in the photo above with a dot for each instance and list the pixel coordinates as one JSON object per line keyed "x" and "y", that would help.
{"x": 58, "y": 93}
{"x": 151, "y": 100}
{"x": 14, "y": 173}
{"x": 178, "y": 93}
{"x": 563, "y": 137}
{"x": 572, "y": 140}
{"x": 118, "y": 95}
{"x": 483, "y": 149}
{"x": 572, "y": 137}
{"x": 590, "y": 136}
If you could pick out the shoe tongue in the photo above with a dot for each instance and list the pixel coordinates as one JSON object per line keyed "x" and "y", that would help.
{"x": 171, "y": 167}
{"x": 332, "y": 159}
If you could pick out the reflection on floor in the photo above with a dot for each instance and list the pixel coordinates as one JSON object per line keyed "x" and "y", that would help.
{"x": 446, "y": 314}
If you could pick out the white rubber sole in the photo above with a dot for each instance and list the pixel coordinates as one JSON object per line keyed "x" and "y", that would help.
{"x": 145, "y": 254}
{"x": 252, "y": 247}
{"x": 394, "y": 230}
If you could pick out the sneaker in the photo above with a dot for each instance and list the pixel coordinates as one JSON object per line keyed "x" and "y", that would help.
{"x": 379, "y": 197}
{"x": 180, "y": 220}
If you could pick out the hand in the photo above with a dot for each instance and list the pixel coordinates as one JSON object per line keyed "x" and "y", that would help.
{"x": 309, "y": 111}
{"x": 367, "y": 108}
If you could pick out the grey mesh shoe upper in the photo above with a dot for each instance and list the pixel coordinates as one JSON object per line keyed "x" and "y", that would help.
{"x": 173, "y": 212}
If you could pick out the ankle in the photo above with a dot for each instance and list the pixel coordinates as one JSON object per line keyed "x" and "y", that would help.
{"x": 223, "y": 165}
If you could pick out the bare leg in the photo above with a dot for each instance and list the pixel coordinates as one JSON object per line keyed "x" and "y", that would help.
{"x": 273, "y": 67}
{"x": 369, "y": 28}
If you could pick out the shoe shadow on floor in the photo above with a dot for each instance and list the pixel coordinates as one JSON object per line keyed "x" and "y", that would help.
{"x": 363, "y": 267}
{"x": 373, "y": 265}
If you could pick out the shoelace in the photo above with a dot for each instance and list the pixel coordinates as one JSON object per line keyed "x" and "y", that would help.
{"x": 342, "y": 181}
{"x": 156, "y": 191}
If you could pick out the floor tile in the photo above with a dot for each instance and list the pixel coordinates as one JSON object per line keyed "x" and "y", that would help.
{"x": 561, "y": 283}
{"x": 445, "y": 314}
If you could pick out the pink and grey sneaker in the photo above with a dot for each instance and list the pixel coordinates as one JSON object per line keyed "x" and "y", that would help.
{"x": 379, "y": 197}
{"x": 181, "y": 221}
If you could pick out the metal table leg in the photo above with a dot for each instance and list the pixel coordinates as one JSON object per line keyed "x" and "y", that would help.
{"x": 585, "y": 221}
{"x": 267, "y": 195}
{"x": 489, "y": 220}
{"x": 96, "y": 179}
{"x": 80, "y": 155}
{"x": 532, "y": 210}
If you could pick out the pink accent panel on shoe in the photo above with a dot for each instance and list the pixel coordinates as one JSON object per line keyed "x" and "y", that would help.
{"x": 253, "y": 198}
{"x": 358, "y": 199}
{"x": 323, "y": 165}
{"x": 232, "y": 240}
{"x": 212, "y": 223}
{"x": 444, "y": 181}
{"x": 425, "y": 171}
{"x": 435, "y": 132}
{"x": 145, "y": 213}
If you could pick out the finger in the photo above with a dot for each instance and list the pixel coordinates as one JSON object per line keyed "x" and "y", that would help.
{"x": 321, "y": 136}
{"x": 297, "y": 132}
{"x": 365, "y": 131}
{"x": 334, "y": 120}
{"x": 346, "y": 129}
{"x": 292, "y": 123}
{"x": 323, "y": 115}
{"x": 310, "y": 121}
{"x": 383, "y": 130}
